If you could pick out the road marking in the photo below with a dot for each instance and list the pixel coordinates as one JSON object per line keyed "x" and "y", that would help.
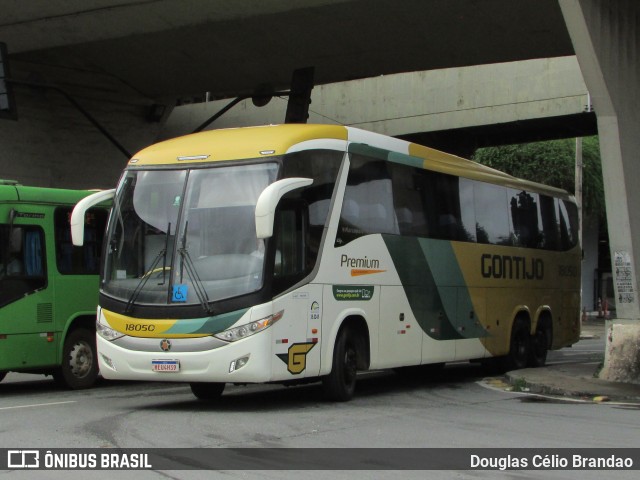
{"x": 38, "y": 405}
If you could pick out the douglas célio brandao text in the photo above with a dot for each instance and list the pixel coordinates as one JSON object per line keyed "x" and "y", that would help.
{"x": 550, "y": 462}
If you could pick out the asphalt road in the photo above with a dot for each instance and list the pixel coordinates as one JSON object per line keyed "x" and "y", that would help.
{"x": 458, "y": 408}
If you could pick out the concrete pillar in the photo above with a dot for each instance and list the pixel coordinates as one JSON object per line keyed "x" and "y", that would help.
{"x": 606, "y": 39}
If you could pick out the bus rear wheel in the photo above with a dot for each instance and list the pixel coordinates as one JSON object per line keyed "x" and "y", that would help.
{"x": 207, "y": 390}
{"x": 79, "y": 367}
{"x": 539, "y": 347}
{"x": 519, "y": 347}
{"x": 340, "y": 384}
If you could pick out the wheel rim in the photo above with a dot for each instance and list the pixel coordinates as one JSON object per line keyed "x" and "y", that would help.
{"x": 80, "y": 359}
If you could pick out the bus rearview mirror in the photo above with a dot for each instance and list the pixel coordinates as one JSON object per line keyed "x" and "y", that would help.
{"x": 77, "y": 216}
{"x": 268, "y": 201}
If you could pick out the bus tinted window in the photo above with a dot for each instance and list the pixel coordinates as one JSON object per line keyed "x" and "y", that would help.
{"x": 523, "y": 207}
{"x": 467, "y": 210}
{"x": 368, "y": 202}
{"x": 568, "y": 214}
{"x": 322, "y": 166}
{"x": 440, "y": 203}
{"x": 83, "y": 260}
{"x": 22, "y": 262}
{"x": 408, "y": 200}
{"x": 492, "y": 218}
{"x": 547, "y": 212}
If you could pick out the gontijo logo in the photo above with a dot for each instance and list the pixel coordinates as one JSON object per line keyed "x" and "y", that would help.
{"x": 296, "y": 357}
{"x": 361, "y": 266}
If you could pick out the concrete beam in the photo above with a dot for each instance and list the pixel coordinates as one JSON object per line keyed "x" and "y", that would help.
{"x": 428, "y": 101}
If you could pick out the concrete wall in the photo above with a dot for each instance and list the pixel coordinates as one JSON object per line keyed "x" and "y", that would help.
{"x": 52, "y": 144}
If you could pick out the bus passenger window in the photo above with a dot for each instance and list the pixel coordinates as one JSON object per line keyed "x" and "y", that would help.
{"x": 524, "y": 218}
{"x": 492, "y": 217}
{"x": 368, "y": 201}
{"x": 83, "y": 260}
{"x": 568, "y": 215}
{"x": 22, "y": 262}
{"x": 14, "y": 264}
{"x": 547, "y": 214}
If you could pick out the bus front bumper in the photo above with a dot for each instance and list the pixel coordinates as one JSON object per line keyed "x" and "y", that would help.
{"x": 244, "y": 361}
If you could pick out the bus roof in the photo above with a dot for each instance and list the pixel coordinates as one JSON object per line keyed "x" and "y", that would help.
{"x": 264, "y": 141}
{"x": 41, "y": 195}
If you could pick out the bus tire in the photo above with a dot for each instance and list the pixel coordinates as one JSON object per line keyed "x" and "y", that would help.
{"x": 340, "y": 384}
{"x": 519, "y": 346}
{"x": 2, "y": 375}
{"x": 539, "y": 347}
{"x": 207, "y": 390}
{"x": 79, "y": 367}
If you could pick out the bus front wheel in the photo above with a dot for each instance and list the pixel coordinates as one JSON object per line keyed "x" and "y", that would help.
{"x": 340, "y": 384}
{"x": 79, "y": 367}
{"x": 207, "y": 390}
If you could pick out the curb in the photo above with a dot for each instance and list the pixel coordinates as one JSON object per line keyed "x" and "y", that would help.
{"x": 595, "y": 393}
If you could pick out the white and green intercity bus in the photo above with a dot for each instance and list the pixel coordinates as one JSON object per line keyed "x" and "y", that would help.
{"x": 297, "y": 252}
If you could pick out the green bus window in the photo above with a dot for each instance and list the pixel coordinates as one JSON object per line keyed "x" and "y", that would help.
{"x": 83, "y": 260}
{"x": 22, "y": 262}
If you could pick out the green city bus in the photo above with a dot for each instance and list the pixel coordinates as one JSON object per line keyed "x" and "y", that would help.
{"x": 48, "y": 287}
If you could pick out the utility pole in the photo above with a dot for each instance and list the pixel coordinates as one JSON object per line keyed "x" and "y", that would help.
{"x": 578, "y": 186}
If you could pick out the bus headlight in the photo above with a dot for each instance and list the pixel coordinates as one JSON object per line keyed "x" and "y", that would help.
{"x": 238, "y": 333}
{"x": 107, "y": 332}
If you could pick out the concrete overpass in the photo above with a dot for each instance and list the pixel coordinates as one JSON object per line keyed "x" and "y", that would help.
{"x": 454, "y": 109}
{"x": 124, "y": 59}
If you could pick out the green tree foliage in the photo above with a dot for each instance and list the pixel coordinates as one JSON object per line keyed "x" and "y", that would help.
{"x": 552, "y": 163}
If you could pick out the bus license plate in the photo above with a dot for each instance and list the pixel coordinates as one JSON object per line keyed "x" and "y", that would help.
{"x": 165, "y": 365}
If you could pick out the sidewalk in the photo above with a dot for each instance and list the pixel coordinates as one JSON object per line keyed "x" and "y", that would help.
{"x": 576, "y": 380}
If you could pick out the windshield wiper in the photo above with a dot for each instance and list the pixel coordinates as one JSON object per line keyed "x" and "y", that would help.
{"x": 145, "y": 278}
{"x": 187, "y": 264}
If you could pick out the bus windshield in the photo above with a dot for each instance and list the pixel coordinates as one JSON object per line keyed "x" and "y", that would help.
{"x": 186, "y": 236}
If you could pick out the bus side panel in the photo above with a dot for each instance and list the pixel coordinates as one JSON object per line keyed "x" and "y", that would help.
{"x": 500, "y": 311}
{"x": 520, "y": 281}
{"x": 80, "y": 299}
{"x": 354, "y": 276}
{"x": 28, "y": 326}
{"x": 333, "y": 316}
{"x": 28, "y": 321}
{"x": 296, "y": 353}
{"x": 571, "y": 300}
{"x": 400, "y": 336}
